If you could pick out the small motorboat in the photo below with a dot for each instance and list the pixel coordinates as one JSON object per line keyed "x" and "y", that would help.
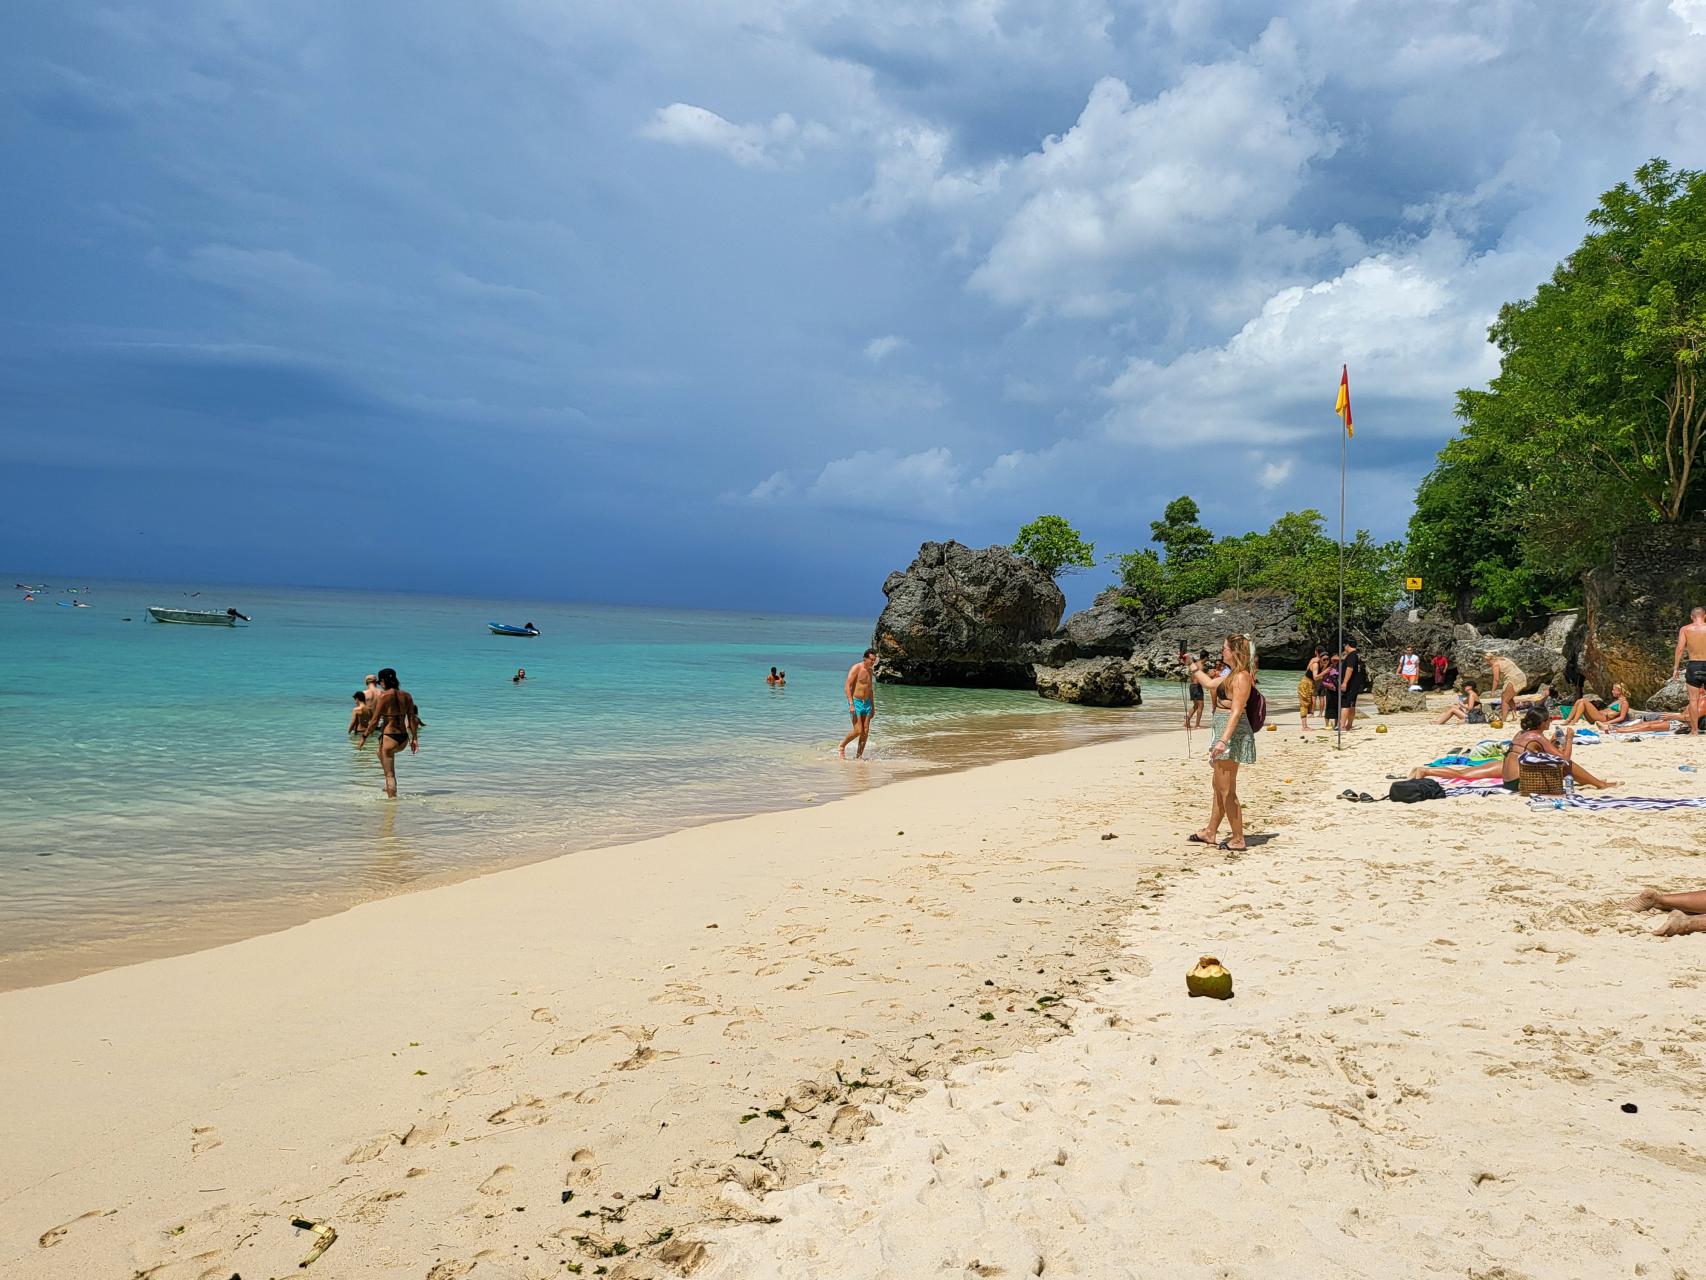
{"x": 509, "y": 629}
{"x": 198, "y": 617}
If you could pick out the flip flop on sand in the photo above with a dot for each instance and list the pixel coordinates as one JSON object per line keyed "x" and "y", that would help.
{"x": 1196, "y": 839}
{"x": 1347, "y": 794}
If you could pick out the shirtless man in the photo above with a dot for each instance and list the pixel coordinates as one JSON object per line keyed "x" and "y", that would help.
{"x": 397, "y": 721}
{"x": 1691, "y": 642}
{"x": 861, "y": 702}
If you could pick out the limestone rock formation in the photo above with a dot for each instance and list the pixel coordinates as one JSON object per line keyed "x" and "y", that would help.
{"x": 1094, "y": 682}
{"x": 1393, "y": 693}
{"x": 1106, "y": 628}
{"x": 1269, "y": 619}
{"x": 959, "y": 616}
{"x": 1635, "y": 604}
{"x": 1428, "y": 631}
{"x": 1470, "y": 650}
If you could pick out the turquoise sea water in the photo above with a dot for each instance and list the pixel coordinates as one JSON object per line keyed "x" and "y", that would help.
{"x": 170, "y": 787}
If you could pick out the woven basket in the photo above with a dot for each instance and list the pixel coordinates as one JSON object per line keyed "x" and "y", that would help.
{"x": 1541, "y": 780}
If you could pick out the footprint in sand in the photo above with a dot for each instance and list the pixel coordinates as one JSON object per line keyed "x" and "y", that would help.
{"x": 206, "y": 1138}
{"x": 53, "y": 1236}
{"x": 544, "y": 1015}
{"x": 522, "y": 1111}
{"x": 449, "y": 1270}
{"x": 372, "y": 1149}
{"x": 424, "y": 1132}
{"x": 644, "y": 1056}
{"x": 498, "y": 1182}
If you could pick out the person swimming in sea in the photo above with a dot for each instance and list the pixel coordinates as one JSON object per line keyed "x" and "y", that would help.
{"x": 519, "y": 676}
{"x": 398, "y": 723}
{"x": 358, "y": 713}
{"x": 772, "y": 678}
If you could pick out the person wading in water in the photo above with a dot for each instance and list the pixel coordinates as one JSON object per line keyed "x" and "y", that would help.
{"x": 397, "y": 721}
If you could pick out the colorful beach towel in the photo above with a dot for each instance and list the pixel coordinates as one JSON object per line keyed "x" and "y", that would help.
{"x": 1572, "y": 799}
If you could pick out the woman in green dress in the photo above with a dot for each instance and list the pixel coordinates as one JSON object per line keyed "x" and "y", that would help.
{"x": 1234, "y": 741}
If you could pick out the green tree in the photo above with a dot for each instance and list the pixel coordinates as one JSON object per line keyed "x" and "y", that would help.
{"x": 1180, "y": 534}
{"x": 1054, "y": 546}
{"x": 1143, "y": 581}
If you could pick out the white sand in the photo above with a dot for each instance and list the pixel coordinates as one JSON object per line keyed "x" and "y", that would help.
{"x": 1439, "y": 1012}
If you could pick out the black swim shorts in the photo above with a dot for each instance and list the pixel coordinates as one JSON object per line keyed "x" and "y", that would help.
{"x": 1196, "y": 693}
{"x": 1694, "y": 673}
{"x": 1349, "y": 700}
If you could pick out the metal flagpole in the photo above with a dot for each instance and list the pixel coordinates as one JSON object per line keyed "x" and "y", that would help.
{"x": 1184, "y": 697}
{"x": 1339, "y": 726}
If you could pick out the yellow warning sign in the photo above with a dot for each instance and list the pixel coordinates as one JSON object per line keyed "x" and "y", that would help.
{"x": 1412, "y": 584}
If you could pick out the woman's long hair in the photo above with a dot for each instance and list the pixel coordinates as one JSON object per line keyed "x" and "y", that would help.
{"x": 388, "y": 679}
{"x": 1243, "y": 653}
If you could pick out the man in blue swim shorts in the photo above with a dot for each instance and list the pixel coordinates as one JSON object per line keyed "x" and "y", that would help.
{"x": 861, "y": 702}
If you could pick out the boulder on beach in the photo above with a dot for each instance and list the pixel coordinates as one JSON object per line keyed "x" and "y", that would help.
{"x": 1427, "y": 631}
{"x": 1106, "y": 628}
{"x": 1268, "y": 618}
{"x": 1094, "y": 682}
{"x": 1393, "y": 693}
{"x": 960, "y": 616}
{"x": 1470, "y": 651}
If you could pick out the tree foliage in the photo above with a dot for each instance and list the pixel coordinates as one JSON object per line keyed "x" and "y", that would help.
{"x": 1595, "y": 423}
{"x": 1054, "y": 546}
{"x": 1294, "y": 556}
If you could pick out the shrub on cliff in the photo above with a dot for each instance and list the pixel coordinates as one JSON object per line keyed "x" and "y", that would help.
{"x": 1054, "y": 546}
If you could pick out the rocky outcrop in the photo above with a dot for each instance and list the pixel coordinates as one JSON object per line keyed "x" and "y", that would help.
{"x": 1269, "y": 619}
{"x": 1094, "y": 682}
{"x": 1470, "y": 650}
{"x": 1427, "y": 631}
{"x": 1106, "y": 628}
{"x": 959, "y": 616}
{"x": 1672, "y": 696}
{"x": 1635, "y": 604}
{"x": 1393, "y": 693}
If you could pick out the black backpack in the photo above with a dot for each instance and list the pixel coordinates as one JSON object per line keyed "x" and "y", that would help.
{"x": 1410, "y": 790}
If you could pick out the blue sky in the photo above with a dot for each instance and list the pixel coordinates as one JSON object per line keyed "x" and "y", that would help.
{"x": 736, "y": 303}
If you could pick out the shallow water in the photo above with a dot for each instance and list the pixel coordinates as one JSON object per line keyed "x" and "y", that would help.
{"x": 170, "y": 787}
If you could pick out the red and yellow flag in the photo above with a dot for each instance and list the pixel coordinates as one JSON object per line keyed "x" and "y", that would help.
{"x": 1343, "y": 406}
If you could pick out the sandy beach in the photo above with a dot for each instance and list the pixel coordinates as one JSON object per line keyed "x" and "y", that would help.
{"x": 935, "y": 1029}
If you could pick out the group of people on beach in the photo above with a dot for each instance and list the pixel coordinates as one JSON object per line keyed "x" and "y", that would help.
{"x": 384, "y": 707}
{"x": 1330, "y": 686}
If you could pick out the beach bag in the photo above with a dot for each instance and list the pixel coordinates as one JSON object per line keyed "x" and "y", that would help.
{"x": 1410, "y": 790}
{"x": 1256, "y": 710}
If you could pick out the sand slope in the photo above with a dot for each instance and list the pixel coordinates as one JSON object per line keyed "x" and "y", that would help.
{"x": 432, "y": 1074}
{"x": 1440, "y": 1013}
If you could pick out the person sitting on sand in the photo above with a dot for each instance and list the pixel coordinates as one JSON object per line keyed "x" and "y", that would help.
{"x": 1687, "y": 911}
{"x": 1531, "y": 738}
{"x": 1468, "y": 708}
{"x": 1613, "y": 713}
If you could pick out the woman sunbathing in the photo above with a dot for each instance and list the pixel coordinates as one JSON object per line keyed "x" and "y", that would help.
{"x": 1530, "y": 739}
{"x": 1467, "y": 708}
{"x": 1687, "y": 910}
{"x": 1614, "y": 712}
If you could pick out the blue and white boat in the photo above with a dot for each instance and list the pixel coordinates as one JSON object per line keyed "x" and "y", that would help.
{"x": 508, "y": 629}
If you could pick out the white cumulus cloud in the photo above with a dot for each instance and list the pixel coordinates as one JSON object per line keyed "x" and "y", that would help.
{"x": 754, "y": 146}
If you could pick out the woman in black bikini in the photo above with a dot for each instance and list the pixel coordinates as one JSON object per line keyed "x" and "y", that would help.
{"x": 397, "y": 721}
{"x": 1531, "y": 738}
